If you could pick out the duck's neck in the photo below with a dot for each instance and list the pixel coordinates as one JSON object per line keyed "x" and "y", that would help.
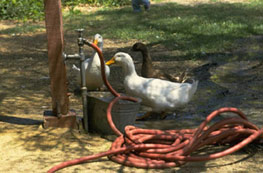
{"x": 129, "y": 70}
{"x": 147, "y": 67}
{"x": 95, "y": 56}
{"x": 100, "y": 45}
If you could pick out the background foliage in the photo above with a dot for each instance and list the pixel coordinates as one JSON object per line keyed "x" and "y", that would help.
{"x": 97, "y": 2}
{"x": 191, "y": 32}
{"x": 17, "y": 9}
{"x": 34, "y": 9}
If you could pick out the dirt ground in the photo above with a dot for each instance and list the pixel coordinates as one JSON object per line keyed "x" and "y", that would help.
{"x": 24, "y": 95}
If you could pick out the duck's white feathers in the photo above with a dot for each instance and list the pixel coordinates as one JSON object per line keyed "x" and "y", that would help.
{"x": 93, "y": 72}
{"x": 93, "y": 68}
{"x": 160, "y": 95}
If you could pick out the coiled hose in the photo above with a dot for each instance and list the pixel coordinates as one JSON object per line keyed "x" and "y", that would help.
{"x": 147, "y": 148}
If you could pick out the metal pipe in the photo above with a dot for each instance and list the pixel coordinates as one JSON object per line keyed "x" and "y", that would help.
{"x": 81, "y": 57}
{"x": 83, "y": 78}
{"x": 68, "y": 57}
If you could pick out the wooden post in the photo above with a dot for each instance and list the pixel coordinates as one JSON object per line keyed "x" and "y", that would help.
{"x": 57, "y": 68}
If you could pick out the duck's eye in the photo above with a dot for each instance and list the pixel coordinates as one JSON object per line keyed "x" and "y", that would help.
{"x": 119, "y": 57}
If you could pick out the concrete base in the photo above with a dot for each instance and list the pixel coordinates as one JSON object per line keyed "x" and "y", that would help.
{"x": 65, "y": 121}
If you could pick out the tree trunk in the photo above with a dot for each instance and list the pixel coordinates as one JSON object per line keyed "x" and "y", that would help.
{"x": 57, "y": 68}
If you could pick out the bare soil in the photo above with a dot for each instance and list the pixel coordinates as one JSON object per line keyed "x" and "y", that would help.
{"x": 24, "y": 95}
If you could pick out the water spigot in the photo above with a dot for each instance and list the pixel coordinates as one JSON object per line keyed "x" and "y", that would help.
{"x": 80, "y": 32}
{"x": 81, "y": 41}
{"x": 65, "y": 56}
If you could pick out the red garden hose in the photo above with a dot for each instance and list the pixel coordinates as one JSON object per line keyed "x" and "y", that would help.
{"x": 147, "y": 148}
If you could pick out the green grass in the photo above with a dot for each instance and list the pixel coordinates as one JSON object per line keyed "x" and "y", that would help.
{"x": 23, "y": 28}
{"x": 191, "y": 30}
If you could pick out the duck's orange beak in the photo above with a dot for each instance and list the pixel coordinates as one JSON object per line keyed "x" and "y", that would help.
{"x": 95, "y": 42}
{"x": 111, "y": 61}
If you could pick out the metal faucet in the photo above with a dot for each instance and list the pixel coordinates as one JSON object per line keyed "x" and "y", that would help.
{"x": 81, "y": 57}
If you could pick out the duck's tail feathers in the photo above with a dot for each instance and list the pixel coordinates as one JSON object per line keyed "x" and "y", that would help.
{"x": 74, "y": 67}
{"x": 180, "y": 78}
{"x": 194, "y": 87}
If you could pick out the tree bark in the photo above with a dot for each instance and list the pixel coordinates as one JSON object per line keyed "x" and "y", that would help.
{"x": 57, "y": 68}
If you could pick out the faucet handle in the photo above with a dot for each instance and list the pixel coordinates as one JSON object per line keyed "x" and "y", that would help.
{"x": 80, "y": 31}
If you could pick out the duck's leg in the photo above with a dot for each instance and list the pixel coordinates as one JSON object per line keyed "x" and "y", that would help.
{"x": 146, "y": 115}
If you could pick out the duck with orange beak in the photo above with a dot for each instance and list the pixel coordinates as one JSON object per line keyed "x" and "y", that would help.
{"x": 93, "y": 68}
{"x": 161, "y": 96}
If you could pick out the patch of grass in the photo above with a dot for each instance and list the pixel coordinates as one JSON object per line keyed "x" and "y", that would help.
{"x": 157, "y": 0}
{"x": 23, "y": 28}
{"x": 192, "y": 30}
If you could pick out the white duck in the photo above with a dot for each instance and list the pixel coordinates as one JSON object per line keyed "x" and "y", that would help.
{"x": 92, "y": 67}
{"x": 161, "y": 95}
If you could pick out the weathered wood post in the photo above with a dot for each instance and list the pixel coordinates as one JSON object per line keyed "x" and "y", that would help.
{"x": 60, "y": 115}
